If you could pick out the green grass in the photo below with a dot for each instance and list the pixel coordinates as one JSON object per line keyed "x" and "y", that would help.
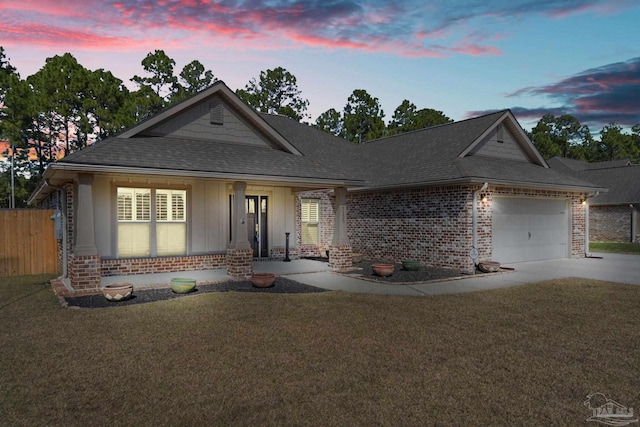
{"x": 617, "y": 247}
{"x": 525, "y": 355}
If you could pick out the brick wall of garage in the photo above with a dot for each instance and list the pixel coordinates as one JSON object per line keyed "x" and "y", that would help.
{"x": 432, "y": 224}
{"x": 610, "y": 223}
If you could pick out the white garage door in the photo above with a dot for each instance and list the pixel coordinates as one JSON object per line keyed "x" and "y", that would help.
{"x": 530, "y": 229}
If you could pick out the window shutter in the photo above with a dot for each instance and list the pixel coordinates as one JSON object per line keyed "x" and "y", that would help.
{"x": 177, "y": 206}
{"x": 309, "y": 217}
{"x": 162, "y": 206}
{"x": 143, "y": 205}
{"x": 125, "y": 207}
{"x": 313, "y": 211}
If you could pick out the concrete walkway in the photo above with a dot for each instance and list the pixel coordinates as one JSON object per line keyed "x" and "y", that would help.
{"x": 601, "y": 266}
{"x": 610, "y": 267}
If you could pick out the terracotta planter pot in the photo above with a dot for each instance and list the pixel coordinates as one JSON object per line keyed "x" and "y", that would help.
{"x": 182, "y": 285}
{"x": 263, "y": 280}
{"x": 489, "y": 266}
{"x": 383, "y": 269}
{"x": 357, "y": 257}
{"x": 411, "y": 265}
{"x": 118, "y": 291}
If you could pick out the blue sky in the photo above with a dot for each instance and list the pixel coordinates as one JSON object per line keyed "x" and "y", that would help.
{"x": 464, "y": 58}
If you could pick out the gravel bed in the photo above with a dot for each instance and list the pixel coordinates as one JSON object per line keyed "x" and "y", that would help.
{"x": 424, "y": 274}
{"x": 282, "y": 285}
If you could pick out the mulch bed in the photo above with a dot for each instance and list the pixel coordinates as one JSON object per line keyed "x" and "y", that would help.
{"x": 282, "y": 285}
{"x": 424, "y": 274}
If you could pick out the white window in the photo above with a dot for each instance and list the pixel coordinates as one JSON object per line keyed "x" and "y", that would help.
{"x": 142, "y": 234}
{"x": 310, "y": 219}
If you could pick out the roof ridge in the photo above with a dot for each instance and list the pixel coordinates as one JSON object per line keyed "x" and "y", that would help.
{"x": 431, "y": 128}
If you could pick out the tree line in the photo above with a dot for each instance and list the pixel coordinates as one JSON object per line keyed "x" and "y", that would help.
{"x": 65, "y": 107}
{"x": 565, "y": 136}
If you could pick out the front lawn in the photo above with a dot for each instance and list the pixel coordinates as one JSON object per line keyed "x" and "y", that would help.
{"x": 526, "y": 355}
{"x": 616, "y": 247}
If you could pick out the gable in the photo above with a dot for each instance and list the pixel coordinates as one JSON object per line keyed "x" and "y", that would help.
{"x": 499, "y": 143}
{"x": 203, "y": 117}
{"x": 505, "y": 139}
{"x": 212, "y": 120}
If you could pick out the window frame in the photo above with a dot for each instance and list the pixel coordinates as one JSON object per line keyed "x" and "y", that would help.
{"x": 153, "y": 213}
{"x": 308, "y": 201}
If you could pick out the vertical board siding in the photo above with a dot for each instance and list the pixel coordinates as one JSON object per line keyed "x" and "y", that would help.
{"x": 27, "y": 242}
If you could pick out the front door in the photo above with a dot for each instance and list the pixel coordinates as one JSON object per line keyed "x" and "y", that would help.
{"x": 256, "y": 207}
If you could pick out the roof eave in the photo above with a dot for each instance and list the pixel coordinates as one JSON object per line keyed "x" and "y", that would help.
{"x": 292, "y": 180}
{"x": 479, "y": 180}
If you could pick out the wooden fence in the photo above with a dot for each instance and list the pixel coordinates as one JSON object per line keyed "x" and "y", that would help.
{"x": 27, "y": 242}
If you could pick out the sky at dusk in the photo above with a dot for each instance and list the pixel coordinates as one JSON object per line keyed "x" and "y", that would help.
{"x": 464, "y": 58}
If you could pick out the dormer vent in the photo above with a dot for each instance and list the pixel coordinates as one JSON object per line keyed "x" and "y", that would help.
{"x": 216, "y": 114}
{"x": 500, "y": 134}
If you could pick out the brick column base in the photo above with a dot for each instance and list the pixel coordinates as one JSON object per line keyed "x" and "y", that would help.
{"x": 240, "y": 263}
{"x": 340, "y": 258}
{"x": 84, "y": 272}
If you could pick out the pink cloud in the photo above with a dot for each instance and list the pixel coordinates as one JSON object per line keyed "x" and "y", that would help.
{"x": 53, "y": 36}
{"x": 403, "y": 27}
{"x": 475, "y": 49}
{"x": 610, "y": 93}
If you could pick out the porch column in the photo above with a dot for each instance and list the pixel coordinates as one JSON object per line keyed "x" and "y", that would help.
{"x": 239, "y": 239}
{"x": 84, "y": 262}
{"x": 239, "y": 254}
{"x": 85, "y": 235}
{"x": 340, "y": 221}
{"x": 340, "y": 256}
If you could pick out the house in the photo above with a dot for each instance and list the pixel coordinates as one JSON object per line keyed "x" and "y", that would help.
{"x": 211, "y": 183}
{"x": 614, "y": 216}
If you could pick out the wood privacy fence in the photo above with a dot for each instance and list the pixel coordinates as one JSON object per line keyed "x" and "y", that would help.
{"x": 27, "y": 242}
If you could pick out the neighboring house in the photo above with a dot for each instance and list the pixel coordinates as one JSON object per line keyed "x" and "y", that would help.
{"x": 211, "y": 183}
{"x": 614, "y": 216}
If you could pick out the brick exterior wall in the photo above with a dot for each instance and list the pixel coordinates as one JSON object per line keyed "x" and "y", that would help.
{"x": 433, "y": 224}
{"x": 578, "y": 227}
{"x": 115, "y": 267}
{"x": 610, "y": 223}
{"x": 84, "y": 272}
{"x": 340, "y": 258}
{"x": 279, "y": 253}
{"x": 240, "y": 263}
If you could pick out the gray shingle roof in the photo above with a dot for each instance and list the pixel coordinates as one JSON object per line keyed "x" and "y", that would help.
{"x": 423, "y": 157}
{"x": 203, "y": 156}
{"x": 420, "y": 157}
{"x": 579, "y": 165}
{"x": 619, "y": 176}
{"x": 427, "y": 155}
{"x": 623, "y": 184}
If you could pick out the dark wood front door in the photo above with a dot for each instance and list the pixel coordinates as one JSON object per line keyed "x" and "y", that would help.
{"x": 257, "y": 225}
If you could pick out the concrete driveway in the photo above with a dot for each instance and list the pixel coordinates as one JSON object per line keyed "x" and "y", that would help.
{"x": 601, "y": 266}
{"x": 610, "y": 267}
